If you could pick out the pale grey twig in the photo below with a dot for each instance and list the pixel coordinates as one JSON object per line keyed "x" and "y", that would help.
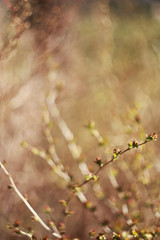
{"x": 56, "y": 232}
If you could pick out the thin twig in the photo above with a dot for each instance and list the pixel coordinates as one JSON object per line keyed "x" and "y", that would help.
{"x": 111, "y": 160}
{"x": 56, "y": 232}
{"x": 26, "y": 234}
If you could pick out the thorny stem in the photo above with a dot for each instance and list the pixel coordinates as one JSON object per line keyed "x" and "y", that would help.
{"x": 56, "y": 232}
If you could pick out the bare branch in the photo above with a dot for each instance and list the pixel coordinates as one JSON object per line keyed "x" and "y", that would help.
{"x": 56, "y": 232}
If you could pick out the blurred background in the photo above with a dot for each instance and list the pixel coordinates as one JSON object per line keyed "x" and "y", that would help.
{"x": 104, "y": 56}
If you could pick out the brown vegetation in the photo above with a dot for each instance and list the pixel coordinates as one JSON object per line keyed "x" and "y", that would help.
{"x": 78, "y": 80}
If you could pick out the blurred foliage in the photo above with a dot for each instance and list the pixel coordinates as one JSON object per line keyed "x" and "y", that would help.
{"x": 103, "y": 57}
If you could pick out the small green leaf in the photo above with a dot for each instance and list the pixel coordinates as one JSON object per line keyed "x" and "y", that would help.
{"x": 95, "y": 177}
{"x": 116, "y": 153}
{"x": 47, "y": 209}
{"x": 76, "y": 189}
{"x": 63, "y": 202}
{"x": 88, "y": 177}
{"x": 92, "y": 233}
{"x": 101, "y": 236}
{"x": 24, "y": 144}
{"x": 10, "y": 186}
{"x": 69, "y": 213}
{"x": 98, "y": 161}
{"x": 91, "y": 125}
{"x": 89, "y": 205}
{"x": 116, "y": 236}
{"x": 133, "y": 144}
{"x": 151, "y": 137}
{"x": 9, "y": 226}
{"x": 51, "y": 223}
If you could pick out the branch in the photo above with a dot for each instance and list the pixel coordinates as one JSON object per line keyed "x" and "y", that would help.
{"x": 116, "y": 154}
{"x": 56, "y": 232}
